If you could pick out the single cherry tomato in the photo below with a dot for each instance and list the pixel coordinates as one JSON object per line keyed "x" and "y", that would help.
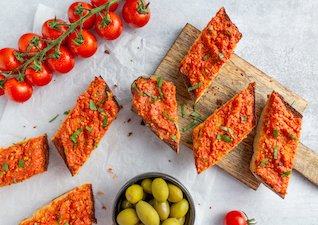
{"x": 136, "y": 13}
{"x": 8, "y": 61}
{"x": 62, "y": 64}
{"x": 38, "y": 78}
{"x": 97, "y": 3}
{"x": 83, "y": 46}
{"x": 50, "y": 32}
{"x": 74, "y": 14}
{"x": 237, "y": 218}
{"x": 17, "y": 91}
{"x": 114, "y": 28}
{"x": 27, "y": 40}
{"x": 2, "y": 77}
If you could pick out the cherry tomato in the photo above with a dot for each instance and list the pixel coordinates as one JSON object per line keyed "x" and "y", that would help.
{"x": 1, "y": 87}
{"x": 136, "y": 13}
{"x": 64, "y": 64}
{"x": 113, "y": 30}
{"x": 38, "y": 78}
{"x": 25, "y": 41}
{"x": 85, "y": 50}
{"x": 49, "y": 33}
{"x": 237, "y": 218}
{"x": 74, "y": 14}
{"x": 8, "y": 61}
{"x": 17, "y": 91}
{"x": 97, "y": 3}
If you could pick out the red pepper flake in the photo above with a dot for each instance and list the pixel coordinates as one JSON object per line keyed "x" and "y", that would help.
{"x": 121, "y": 106}
{"x": 115, "y": 177}
{"x": 169, "y": 160}
{"x": 110, "y": 170}
{"x": 23, "y": 126}
{"x": 199, "y": 204}
{"x": 271, "y": 80}
{"x": 100, "y": 193}
{"x": 128, "y": 120}
{"x": 232, "y": 82}
{"x": 34, "y": 127}
{"x": 137, "y": 47}
{"x": 131, "y": 60}
{"x": 242, "y": 74}
{"x": 104, "y": 207}
{"x": 115, "y": 85}
{"x": 245, "y": 140}
{"x": 210, "y": 207}
{"x": 130, "y": 133}
{"x": 106, "y": 51}
{"x": 214, "y": 94}
{"x": 219, "y": 101}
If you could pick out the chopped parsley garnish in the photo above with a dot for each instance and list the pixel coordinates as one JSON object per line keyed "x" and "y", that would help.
{"x": 230, "y": 131}
{"x": 160, "y": 92}
{"x": 263, "y": 162}
{"x": 5, "y": 166}
{"x": 21, "y": 164}
{"x": 195, "y": 106}
{"x": 275, "y": 152}
{"x": 195, "y": 116}
{"x": 182, "y": 110}
{"x": 210, "y": 28}
{"x": 206, "y": 57}
{"x": 95, "y": 144}
{"x": 174, "y": 138}
{"x": 221, "y": 55}
{"x": 289, "y": 135}
{"x": 53, "y": 118}
{"x": 159, "y": 81}
{"x": 35, "y": 223}
{"x": 100, "y": 109}
{"x": 228, "y": 33}
{"x": 66, "y": 223}
{"x": 265, "y": 123}
{"x": 150, "y": 95}
{"x": 65, "y": 152}
{"x": 224, "y": 138}
{"x": 0, "y": 172}
{"x": 92, "y": 105}
{"x": 97, "y": 103}
{"x": 15, "y": 181}
{"x": 73, "y": 137}
{"x": 105, "y": 119}
{"x": 190, "y": 142}
{"x": 189, "y": 126}
{"x": 243, "y": 118}
{"x": 66, "y": 112}
{"x": 135, "y": 86}
{"x": 286, "y": 173}
{"x": 224, "y": 128}
{"x": 89, "y": 129}
{"x": 195, "y": 86}
{"x": 275, "y": 132}
{"x": 59, "y": 221}
{"x": 293, "y": 104}
{"x": 165, "y": 115}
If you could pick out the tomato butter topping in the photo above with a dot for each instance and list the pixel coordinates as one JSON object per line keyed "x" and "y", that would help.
{"x": 210, "y": 51}
{"x": 224, "y": 129}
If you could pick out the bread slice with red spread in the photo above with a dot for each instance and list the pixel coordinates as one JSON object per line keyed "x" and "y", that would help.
{"x": 224, "y": 129}
{"x": 23, "y": 160}
{"x": 86, "y": 124}
{"x": 209, "y": 53}
{"x": 275, "y": 144}
{"x": 74, "y": 207}
{"x": 155, "y": 100}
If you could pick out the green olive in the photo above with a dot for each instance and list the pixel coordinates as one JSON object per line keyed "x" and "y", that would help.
{"x": 175, "y": 193}
{"x": 134, "y": 193}
{"x": 160, "y": 189}
{"x": 171, "y": 221}
{"x": 125, "y": 204}
{"x": 127, "y": 217}
{"x": 179, "y": 209}
{"x": 162, "y": 208}
{"x": 146, "y": 185}
{"x": 147, "y": 214}
{"x": 181, "y": 220}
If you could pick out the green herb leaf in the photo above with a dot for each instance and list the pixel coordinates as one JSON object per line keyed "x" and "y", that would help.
{"x": 160, "y": 92}
{"x": 195, "y": 86}
{"x": 289, "y": 135}
{"x": 66, "y": 112}
{"x": 89, "y": 129}
{"x": 232, "y": 135}
{"x": 195, "y": 106}
{"x": 190, "y": 142}
{"x": 92, "y": 105}
{"x": 228, "y": 33}
{"x": 150, "y": 95}
{"x": 224, "y": 138}
{"x": 243, "y": 118}
{"x": 285, "y": 174}
{"x": 73, "y": 137}
{"x": 97, "y": 103}
{"x": 53, "y": 118}
{"x": 221, "y": 55}
{"x": 35, "y": 224}
{"x": 293, "y": 104}
{"x": 174, "y": 138}
{"x": 210, "y": 28}
{"x": 135, "y": 86}
{"x": 195, "y": 116}
{"x": 21, "y": 164}
{"x": 263, "y": 162}
{"x": 15, "y": 181}
{"x": 189, "y": 126}
{"x": 159, "y": 82}
{"x": 275, "y": 152}
{"x": 165, "y": 115}
{"x": 59, "y": 221}
{"x": 182, "y": 109}
{"x": 105, "y": 119}
{"x": 1, "y": 173}
{"x": 224, "y": 128}
{"x": 206, "y": 57}
{"x": 95, "y": 144}
{"x": 66, "y": 223}
{"x": 100, "y": 109}
{"x": 5, "y": 166}
{"x": 265, "y": 123}
{"x": 275, "y": 132}
{"x": 65, "y": 152}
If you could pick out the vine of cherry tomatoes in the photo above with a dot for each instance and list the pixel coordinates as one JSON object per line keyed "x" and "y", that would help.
{"x": 38, "y": 57}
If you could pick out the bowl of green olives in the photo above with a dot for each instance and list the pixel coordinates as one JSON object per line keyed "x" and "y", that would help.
{"x": 153, "y": 199}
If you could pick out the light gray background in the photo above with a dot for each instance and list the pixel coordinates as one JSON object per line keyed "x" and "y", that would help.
{"x": 279, "y": 38}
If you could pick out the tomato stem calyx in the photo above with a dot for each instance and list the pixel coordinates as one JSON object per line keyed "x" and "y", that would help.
{"x": 249, "y": 221}
{"x": 106, "y": 19}
{"x": 142, "y": 8}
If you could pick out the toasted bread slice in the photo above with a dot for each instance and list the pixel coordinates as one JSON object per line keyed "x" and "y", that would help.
{"x": 86, "y": 124}
{"x": 23, "y": 160}
{"x": 224, "y": 129}
{"x": 275, "y": 144}
{"x": 74, "y": 207}
{"x": 158, "y": 108}
{"x": 209, "y": 53}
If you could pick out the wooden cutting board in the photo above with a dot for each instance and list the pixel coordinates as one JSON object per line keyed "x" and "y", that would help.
{"x": 234, "y": 76}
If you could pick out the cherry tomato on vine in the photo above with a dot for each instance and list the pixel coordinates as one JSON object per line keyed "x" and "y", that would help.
{"x": 97, "y": 3}
{"x": 50, "y": 32}
{"x": 17, "y": 91}
{"x": 1, "y": 86}
{"x": 114, "y": 28}
{"x": 28, "y": 41}
{"x": 8, "y": 61}
{"x": 237, "y": 218}
{"x": 83, "y": 46}
{"x": 74, "y": 14}
{"x": 64, "y": 64}
{"x": 38, "y": 78}
{"x": 136, "y": 13}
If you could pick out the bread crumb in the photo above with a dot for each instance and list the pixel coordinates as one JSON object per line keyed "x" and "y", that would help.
{"x": 121, "y": 106}
{"x": 23, "y": 126}
{"x": 34, "y": 127}
{"x": 199, "y": 204}
{"x": 271, "y": 80}
{"x": 106, "y": 51}
{"x": 130, "y": 133}
{"x": 100, "y": 193}
{"x": 169, "y": 160}
{"x": 214, "y": 94}
{"x": 210, "y": 207}
{"x": 104, "y": 207}
{"x": 137, "y": 47}
{"x": 219, "y": 101}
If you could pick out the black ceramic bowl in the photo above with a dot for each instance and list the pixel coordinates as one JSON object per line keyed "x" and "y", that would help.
{"x": 190, "y": 217}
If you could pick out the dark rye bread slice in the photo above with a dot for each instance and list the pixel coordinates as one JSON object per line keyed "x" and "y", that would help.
{"x": 154, "y": 127}
{"x": 23, "y": 160}
{"x": 61, "y": 145}
{"x": 82, "y": 201}
{"x": 259, "y": 132}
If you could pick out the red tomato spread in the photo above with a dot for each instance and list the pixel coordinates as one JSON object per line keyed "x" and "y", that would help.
{"x": 23, "y": 160}
{"x": 281, "y": 131}
{"x": 224, "y": 129}
{"x": 210, "y": 51}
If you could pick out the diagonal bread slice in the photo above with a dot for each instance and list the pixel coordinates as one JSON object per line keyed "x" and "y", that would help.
{"x": 275, "y": 144}
{"x": 224, "y": 129}
{"x": 73, "y": 207}
{"x": 155, "y": 100}
{"x": 23, "y": 160}
{"x": 86, "y": 124}
{"x": 209, "y": 53}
